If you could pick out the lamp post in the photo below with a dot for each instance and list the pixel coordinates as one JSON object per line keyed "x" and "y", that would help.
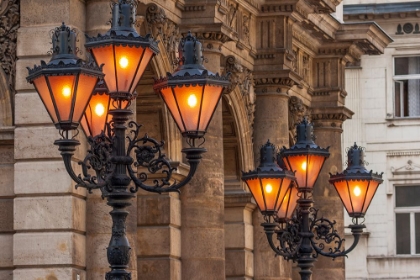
{"x": 66, "y": 86}
{"x": 303, "y": 236}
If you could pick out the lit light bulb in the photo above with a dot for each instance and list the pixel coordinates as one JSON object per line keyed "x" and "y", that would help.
{"x": 357, "y": 191}
{"x": 99, "y": 109}
{"x": 123, "y": 62}
{"x": 66, "y": 91}
{"x": 192, "y": 100}
{"x": 304, "y": 165}
{"x": 268, "y": 188}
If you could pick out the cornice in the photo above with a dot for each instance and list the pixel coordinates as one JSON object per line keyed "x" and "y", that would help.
{"x": 396, "y": 10}
{"x": 339, "y": 113}
{"x": 212, "y": 32}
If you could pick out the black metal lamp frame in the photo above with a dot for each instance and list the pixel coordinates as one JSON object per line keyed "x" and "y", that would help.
{"x": 306, "y": 236}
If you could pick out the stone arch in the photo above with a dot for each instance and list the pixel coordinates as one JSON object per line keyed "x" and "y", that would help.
{"x": 237, "y": 137}
{"x": 6, "y": 112}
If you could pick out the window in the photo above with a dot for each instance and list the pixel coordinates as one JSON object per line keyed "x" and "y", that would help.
{"x": 407, "y": 219}
{"x": 407, "y": 86}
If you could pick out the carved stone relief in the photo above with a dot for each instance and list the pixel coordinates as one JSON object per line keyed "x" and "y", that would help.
{"x": 409, "y": 167}
{"x": 407, "y": 28}
{"x": 297, "y": 110}
{"x": 164, "y": 29}
{"x": 242, "y": 77}
{"x": 9, "y": 24}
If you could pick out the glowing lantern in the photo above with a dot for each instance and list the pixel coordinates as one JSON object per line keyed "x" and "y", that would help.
{"x": 65, "y": 83}
{"x": 305, "y": 157}
{"x": 96, "y": 114}
{"x": 269, "y": 184}
{"x": 124, "y": 53}
{"x": 192, "y": 92}
{"x": 356, "y": 186}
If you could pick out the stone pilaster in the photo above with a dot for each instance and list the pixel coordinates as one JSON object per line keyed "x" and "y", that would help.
{"x": 6, "y": 202}
{"x": 202, "y": 201}
{"x": 327, "y": 129}
{"x": 49, "y": 214}
{"x": 271, "y": 122}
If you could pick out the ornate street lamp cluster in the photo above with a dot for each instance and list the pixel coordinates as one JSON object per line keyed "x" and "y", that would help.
{"x": 98, "y": 94}
{"x": 299, "y": 234}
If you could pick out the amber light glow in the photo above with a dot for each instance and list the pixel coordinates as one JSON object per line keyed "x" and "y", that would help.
{"x": 66, "y": 91}
{"x": 192, "y": 100}
{"x": 123, "y": 62}
{"x": 288, "y": 204}
{"x": 268, "y": 192}
{"x": 356, "y": 195}
{"x": 307, "y": 168}
{"x": 96, "y": 114}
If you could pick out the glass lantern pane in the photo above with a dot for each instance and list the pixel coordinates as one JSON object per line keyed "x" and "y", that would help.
{"x": 189, "y": 103}
{"x": 95, "y": 117}
{"x": 127, "y": 60}
{"x": 105, "y": 55}
{"x": 343, "y": 191}
{"x": 358, "y": 190}
{"x": 63, "y": 88}
{"x": 288, "y": 205}
{"x": 272, "y": 189}
{"x": 373, "y": 186}
{"x": 210, "y": 100}
{"x": 315, "y": 163}
{"x": 298, "y": 164}
{"x": 147, "y": 56}
{"x": 169, "y": 99}
{"x": 255, "y": 189}
{"x": 43, "y": 91}
{"x": 85, "y": 88}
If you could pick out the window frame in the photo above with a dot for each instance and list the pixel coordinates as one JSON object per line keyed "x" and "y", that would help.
{"x": 412, "y": 210}
{"x": 399, "y": 79}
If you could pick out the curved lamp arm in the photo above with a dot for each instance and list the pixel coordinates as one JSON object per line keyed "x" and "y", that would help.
{"x": 149, "y": 154}
{"x": 288, "y": 239}
{"x": 67, "y": 148}
{"x": 324, "y": 230}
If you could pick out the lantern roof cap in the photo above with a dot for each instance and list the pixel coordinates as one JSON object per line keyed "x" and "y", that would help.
{"x": 268, "y": 167}
{"x": 64, "y": 60}
{"x": 356, "y": 167}
{"x": 122, "y": 30}
{"x": 305, "y": 141}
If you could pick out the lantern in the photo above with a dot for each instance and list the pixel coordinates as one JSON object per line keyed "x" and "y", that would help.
{"x": 96, "y": 114}
{"x": 356, "y": 186}
{"x": 305, "y": 157}
{"x": 192, "y": 92}
{"x": 124, "y": 53}
{"x": 65, "y": 83}
{"x": 269, "y": 184}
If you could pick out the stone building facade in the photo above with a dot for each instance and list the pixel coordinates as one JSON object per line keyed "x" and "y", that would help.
{"x": 383, "y": 92}
{"x": 287, "y": 59}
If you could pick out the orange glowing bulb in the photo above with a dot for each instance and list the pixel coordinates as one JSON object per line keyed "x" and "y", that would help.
{"x": 268, "y": 188}
{"x": 304, "y": 165}
{"x": 99, "y": 109}
{"x": 66, "y": 91}
{"x": 357, "y": 191}
{"x": 192, "y": 100}
{"x": 123, "y": 62}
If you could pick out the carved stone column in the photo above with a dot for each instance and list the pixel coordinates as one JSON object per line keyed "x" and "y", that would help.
{"x": 327, "y": 129}
{"x": 202, "y": 200}
{"x": 271, "y": 122}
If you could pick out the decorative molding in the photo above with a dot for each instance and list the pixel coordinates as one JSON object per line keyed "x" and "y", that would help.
{"x": 161, "y": 27}
{"x": 242, "y": 77}
{"x": 9, "y": 25}
{"x": 410, "y": 167}
{"x": 297, "y": 110}
{"x": 275, "y": 81}
{"x": 277, "y": 8}
{"x": 403, "y": 153}
{"x": 407, "y": 28}
{"x": 330, "y": 117}
{"x": 213, "y": 36}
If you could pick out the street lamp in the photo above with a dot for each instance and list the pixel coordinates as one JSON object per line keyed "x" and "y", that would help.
{"x": 66, "y": 86}
{"x": 304, "y": 236}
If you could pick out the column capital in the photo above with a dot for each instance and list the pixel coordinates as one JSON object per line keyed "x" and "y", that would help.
{"x": 330, "y": 117}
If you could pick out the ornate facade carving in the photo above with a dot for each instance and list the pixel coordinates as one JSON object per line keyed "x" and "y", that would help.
{"x": 409, "y": 167}
{"x": 297, "y": 110}
{"x": 242, "y": 77}
{"x": 9, "y": 24}
{"x": 407, "y": 28}
{"x": 161, "y": 27}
